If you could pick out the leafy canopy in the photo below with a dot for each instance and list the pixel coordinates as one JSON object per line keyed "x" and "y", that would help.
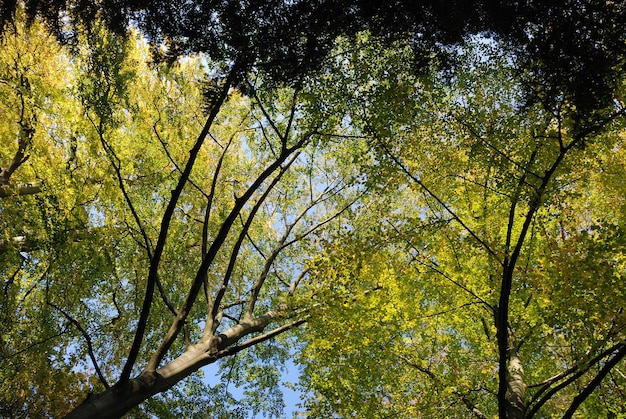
{"x": 472, "y": 191}
{"x": 438, "y": 207}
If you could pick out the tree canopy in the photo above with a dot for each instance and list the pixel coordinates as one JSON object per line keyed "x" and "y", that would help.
{"x": 572, "y": 48}
{"x": 419, "y": 201}
{"x": 492, "y": 248}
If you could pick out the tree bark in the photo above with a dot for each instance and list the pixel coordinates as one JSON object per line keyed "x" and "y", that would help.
{"x": 22, "y": 189}
{"x": 516, "y": 386}
{"x": 118, "y": 400}
{"x": 121, "y": 398}
{"x": 21, "y": 243}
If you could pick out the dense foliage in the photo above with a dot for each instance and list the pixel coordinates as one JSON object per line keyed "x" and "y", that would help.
{"x": 428, "y": 198}
{"x": 482, "y": 204}
{"x": 104, "y": 138}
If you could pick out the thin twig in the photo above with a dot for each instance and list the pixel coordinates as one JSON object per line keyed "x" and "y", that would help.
{"x": 87, "y": 338}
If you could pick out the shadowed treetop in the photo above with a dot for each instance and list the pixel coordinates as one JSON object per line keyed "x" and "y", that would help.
{"x": 571, "y": 51}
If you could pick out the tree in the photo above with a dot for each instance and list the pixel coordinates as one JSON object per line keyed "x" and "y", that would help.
{"x": 493, "y": 250}
{"x": 31, "y": 82}
{"x": 121, "y": 122}
{"x": 128, "y": 221}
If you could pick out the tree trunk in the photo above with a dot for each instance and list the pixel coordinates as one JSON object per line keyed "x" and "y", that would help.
{"x": 118, "y": 400}
{"x": 516, "y": 387}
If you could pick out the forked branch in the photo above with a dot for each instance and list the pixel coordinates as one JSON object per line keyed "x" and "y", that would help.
{"x": 163, "y": 233}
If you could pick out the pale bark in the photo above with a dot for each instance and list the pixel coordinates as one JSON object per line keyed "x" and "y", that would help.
{"x": 516, "y": 386}
{"x": 21, "y": 189}
{"x": 118, "y": 400}
{"x": 21, "y": 243}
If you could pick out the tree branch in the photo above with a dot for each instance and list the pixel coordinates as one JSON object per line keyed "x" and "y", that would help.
{"x": 242, "y": 236}
{"x": 83, "y": 332}
{"x": 210, "y": 325}
{"x": 421, "y": 184}
{"x": 510, "y": 262}
{"x": 476, "y": 135}
{"x": 21, "y": 189}
{"x": 213, "y": 250}
{"x": 25, "y": 136}
{"x": 283, "y": 243}
{"x": 586, "y": 392}
{"x": 165, "y": 224}
{"x": 436, "y": 269}
{"x": 439, "y": 383}
{"x": 117, "y": 167}
{"x": 576, "y": 372}
{"x": 261, "y": 338}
